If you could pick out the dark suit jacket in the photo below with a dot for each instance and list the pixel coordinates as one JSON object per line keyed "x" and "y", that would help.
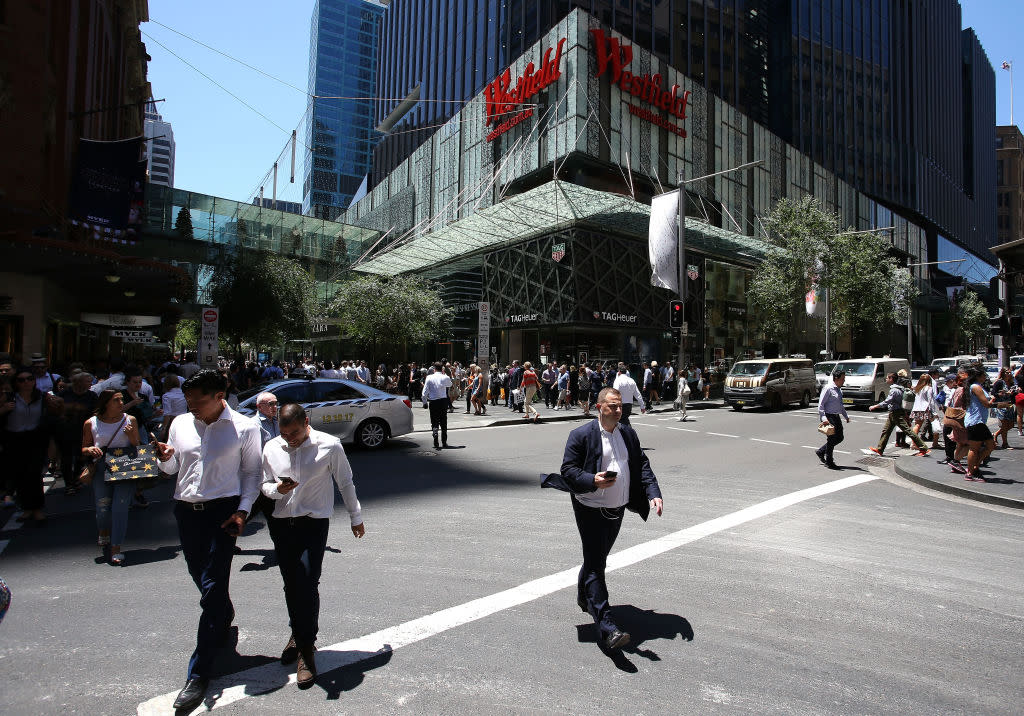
{"x": 582, "y": 461}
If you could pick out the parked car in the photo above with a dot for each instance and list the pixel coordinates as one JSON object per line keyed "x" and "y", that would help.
{"x": 354, "y": 412}
{"x": 865, "y": 378}
{"x": 951, "y": 364}
{"x": 773, "y": 383}
{"x": 823, "y": 373}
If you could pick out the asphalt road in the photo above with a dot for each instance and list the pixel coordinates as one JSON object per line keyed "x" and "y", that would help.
{"x": 854, "y": 593}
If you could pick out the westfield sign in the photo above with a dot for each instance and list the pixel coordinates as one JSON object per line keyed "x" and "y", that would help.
{"x": 503, "y": 97}
{"x": 613, "y": 56}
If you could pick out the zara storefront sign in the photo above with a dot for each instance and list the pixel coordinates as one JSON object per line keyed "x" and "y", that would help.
{"x": 613, "y": 55}
{"x": 503, "y": 98}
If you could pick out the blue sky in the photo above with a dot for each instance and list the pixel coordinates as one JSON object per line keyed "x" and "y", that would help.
{"x": 225, "y": 148}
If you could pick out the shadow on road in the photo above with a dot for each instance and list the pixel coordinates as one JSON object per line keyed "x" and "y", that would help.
{"x": 643, "y": 625}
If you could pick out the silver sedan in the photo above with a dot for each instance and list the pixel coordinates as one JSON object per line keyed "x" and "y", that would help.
{"x": 354, "y": 412}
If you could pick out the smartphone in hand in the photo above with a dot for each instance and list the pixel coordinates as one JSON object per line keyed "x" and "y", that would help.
{"x": 610, "y": 474}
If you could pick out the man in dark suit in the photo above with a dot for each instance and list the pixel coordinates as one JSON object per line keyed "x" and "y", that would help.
{"x": 606, "y": 472}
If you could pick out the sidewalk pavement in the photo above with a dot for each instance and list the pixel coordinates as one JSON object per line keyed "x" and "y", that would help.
{"x": 500, "y": 415}
{"x": 1004, "y": 477}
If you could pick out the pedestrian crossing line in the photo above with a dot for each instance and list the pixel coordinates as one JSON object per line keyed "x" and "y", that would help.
{"x": 258, "y": 680}
{"x": 723, "y": 435}
{"x": 12, "y": 524}
{"x": 3, "y": 545}
{"x": 773, "y": 442}
{"x": 685, "y": 430}
{"x": 809, "y": 447}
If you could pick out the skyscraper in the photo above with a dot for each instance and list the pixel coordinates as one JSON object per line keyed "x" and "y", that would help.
{"x": 339, "y": 132}
{"x": 160, "y": 163}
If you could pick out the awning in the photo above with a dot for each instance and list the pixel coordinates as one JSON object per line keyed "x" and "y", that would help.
{"x": 549, "y": 208}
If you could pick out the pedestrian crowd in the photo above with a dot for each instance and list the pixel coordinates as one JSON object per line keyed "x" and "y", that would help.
{"x": 950, "y": 411}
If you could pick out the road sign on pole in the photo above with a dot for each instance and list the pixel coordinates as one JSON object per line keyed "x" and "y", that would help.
{"x": 209, "y": 325}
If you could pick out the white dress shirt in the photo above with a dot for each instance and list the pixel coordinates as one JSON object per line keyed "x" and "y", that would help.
{"x": 614, "y": 456}
{"x": 627, "y": 388}
{"x": 114, "y": 382}
{"x": 436, "y": 386}
{"x": 313, "y": 465}
{"x": 173, "y": 403}
{"x": 217, "y": 460}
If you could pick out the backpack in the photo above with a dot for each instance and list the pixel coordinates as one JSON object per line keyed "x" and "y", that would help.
{"x": 908, "y": 399}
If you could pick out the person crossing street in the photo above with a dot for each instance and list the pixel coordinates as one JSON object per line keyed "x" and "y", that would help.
{"x": 897, "y": 418}
{"x": 830, "y": 408}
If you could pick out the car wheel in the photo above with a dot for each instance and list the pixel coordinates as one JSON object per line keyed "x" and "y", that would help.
{"x": 737, "y": 408}
{"x": 806, "y": 400}
{"x": 371, "y": 434}
{"x": 775, "y": 404}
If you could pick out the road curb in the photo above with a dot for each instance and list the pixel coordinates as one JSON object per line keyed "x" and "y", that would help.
{"x": 956, "y": 490}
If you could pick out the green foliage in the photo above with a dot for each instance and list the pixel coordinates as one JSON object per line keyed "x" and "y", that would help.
{"x": 264, "y": 299}
{"x": 186, "y": 335}
{"x": 868, "y": 288}
{"x": 391, "y": 311}
{"x": 183, "y": 224}
{"x": 971, "y": 316}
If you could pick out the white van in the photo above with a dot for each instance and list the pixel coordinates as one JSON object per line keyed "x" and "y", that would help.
{"x": 949, "y": 365}
{"x": 865, "y": 378}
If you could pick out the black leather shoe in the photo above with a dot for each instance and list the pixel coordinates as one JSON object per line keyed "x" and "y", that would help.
{"x": 832, "y": 466}
{"x": 190, "y": 696}
{"x": 617, "y": 639}
{"x": 582, "y": 604}
{"x": 291, "y": 652}
{"x": 822, "y": 458}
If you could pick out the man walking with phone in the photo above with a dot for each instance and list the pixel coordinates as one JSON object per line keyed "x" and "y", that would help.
{"x": 216, "y": 455}
{"x": 298, "y": 469}
{"x": 605, "y": 471}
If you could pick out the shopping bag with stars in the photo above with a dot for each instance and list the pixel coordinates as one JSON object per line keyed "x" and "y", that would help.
{"x": 130, "y": 463}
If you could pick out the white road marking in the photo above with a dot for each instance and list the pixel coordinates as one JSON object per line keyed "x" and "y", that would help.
{"x": 261, "y": 679}
{"x": 809, "y": 447}
{"x": 773, "y": 442}
{"x": 12, "y": 524}
{"x": 723, "y": 435}
{"x": 3, "y": 544}
{"x": 685, "y": 430}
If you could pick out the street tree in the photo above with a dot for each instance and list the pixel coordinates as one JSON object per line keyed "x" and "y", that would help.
{"x": 867, "y": 287}
{"x": 264, "y": 299}
{"x": 388, "y": 313}
{"x": 186, "y": 335}
{"x": 183, "y": 224}
{"x": 971, "y": 319}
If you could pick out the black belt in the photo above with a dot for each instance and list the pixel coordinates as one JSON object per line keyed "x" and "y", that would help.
{"x": 200, "y": 506}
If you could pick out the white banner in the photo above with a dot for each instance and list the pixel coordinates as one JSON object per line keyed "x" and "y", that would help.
{"x": 661, "y": 241}
{"x": 209, "y": 325}
{"x": 483, "y": 332}
{"x": 111, "y": 319}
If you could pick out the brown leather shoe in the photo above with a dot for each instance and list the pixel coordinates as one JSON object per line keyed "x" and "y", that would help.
{"x": 305, "y": 671}
{"x": 291, "y": 652}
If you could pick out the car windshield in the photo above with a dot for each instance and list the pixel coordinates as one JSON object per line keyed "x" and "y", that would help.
{"x": 749, "y": 369}
{"x": 857, "y": 368}
{"x": 824, "y": 368}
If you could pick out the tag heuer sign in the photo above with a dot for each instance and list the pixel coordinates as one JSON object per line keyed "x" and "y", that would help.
{"x": 558, "y": 251}
{"x": 691, "y": 272}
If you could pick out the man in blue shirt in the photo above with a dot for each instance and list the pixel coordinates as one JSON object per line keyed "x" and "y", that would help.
{"x": 830, "y": 407}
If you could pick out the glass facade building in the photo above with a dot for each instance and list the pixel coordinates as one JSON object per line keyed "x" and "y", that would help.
{"x": 891, "y": 96}
{"x": 338, "y": 132}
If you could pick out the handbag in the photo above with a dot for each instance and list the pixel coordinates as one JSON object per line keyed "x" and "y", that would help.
{"x": 955, "y": 413}
{"x": 827, "y": 429}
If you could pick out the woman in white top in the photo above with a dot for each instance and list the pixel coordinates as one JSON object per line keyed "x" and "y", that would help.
{"x": 924, "y": 406}
{"x": 110, "y": 428}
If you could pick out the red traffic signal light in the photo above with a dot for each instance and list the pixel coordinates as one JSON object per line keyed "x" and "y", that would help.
{"x": 675, "y": 314}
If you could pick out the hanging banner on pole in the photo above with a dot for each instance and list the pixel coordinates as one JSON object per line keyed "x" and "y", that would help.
{"x": 209, "y": 325}
{"x": 483, "y": 342}
{"x": 661, "y": 241}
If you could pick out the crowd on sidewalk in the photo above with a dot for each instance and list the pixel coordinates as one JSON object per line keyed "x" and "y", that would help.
{"x": 952, "y": 412}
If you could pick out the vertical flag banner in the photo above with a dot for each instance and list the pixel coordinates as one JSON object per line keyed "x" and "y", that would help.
{"x": 661, "y": 241}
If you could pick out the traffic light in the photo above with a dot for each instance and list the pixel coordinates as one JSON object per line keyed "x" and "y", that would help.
{"x": 675, "y": 314}
{"x": 999, "y": 324}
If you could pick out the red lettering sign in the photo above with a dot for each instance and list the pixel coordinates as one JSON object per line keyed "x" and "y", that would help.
{"x": 613, "y": 55}
{"x": 503, "y": 97}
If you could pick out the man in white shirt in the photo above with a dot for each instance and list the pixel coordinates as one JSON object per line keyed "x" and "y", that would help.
{"x": 363, "y": 373}
{"x": 116, "y": 379}
{"x": 216, "y": 455}
{"x": 189, "y": 368}
{"x": 435, "y": 393}
{"x": 629, "y": 392}
{"x": 298, "y": 469}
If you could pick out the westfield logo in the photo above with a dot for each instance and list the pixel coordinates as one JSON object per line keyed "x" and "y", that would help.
{"x": 613, "y": 55}
{"x": 502, "y": 96}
